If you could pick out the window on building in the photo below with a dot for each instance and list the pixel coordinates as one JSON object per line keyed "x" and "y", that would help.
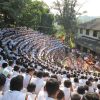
{"x": 87, "y": 32}
{"x": 81, "y": 31}
{"x": 95, "y": 33}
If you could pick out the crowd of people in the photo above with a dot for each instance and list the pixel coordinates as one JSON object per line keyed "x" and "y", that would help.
{"x": 25, "y": 78}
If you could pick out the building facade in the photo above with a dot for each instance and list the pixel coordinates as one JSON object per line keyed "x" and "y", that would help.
{"x": 88, "y": 37}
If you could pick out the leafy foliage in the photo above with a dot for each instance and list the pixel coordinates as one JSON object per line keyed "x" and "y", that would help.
{"x": 34, "y": 14}
{"x": 66, "y": 16}
{"x": 10, "y": 11}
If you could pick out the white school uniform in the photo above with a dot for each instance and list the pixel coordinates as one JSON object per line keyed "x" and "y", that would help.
{"x": 7, "y": 85}
{"x": 15, "y": 95}
{"x": 8, "y": 70}
{"x": 32, "y": 96}
{"x": 42, "y": 95}
{"x": 26, "y": 81}
{"x": 67, "y": 93}
{"x": 1, "y": 95}
{"x": 39, "y": 84}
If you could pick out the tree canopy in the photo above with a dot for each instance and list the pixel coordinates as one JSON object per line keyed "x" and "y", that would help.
{"x": 66, "y": 15}
{"x": 34, "y": 14}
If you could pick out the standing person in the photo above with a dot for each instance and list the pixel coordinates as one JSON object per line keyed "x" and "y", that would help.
{"x": 52, "y": 88}
{"x": 16, "y": 85}
{"x": 67, "y": 89}
{"x": 2, "y": 83}
{"x": 38, "y": 81}
{"x": 28, "y": 76}
{"x": 31, "y": 91}
{"x": 98, "y": 89}
{"x": 9, "y": 69}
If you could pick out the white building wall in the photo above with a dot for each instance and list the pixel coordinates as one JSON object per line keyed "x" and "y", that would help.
{"x": 90, "y": 34}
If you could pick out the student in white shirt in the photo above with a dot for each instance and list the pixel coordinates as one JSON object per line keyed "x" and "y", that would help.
{"x": 38, "y": 81}
{"x": 15, "y": 71}
{"x": 81, "y": 91}
{"x": 95, "y": 83}
{"x": 67, "y": 89}
{"x": 2, "y": 83}
{"x": 28, "y": 76}
{"x": 8, "y": 70}
{"x": 2, "y": 61}
{"x": 31, "y": 91}
{"x": 52, "y": 88}
{"x": 98, "y": 89}
{"x": 23, "y": 72}
{"x": 75, "y": 84}
{"x": 15, "y": 93}
{"x": 3, "y": 66}
{"x": 42, "y": 94}
{"x": 89, "y": 84}
{"x": 86, "y": 88}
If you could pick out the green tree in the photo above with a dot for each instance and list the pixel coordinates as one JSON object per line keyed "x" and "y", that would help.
{"x": 67, "y": 16}
{"x": 37, "y": 16}
{"x": 34, "y": 14}
{"x": 10, "y": 10}
{"x": 46, "y": 24}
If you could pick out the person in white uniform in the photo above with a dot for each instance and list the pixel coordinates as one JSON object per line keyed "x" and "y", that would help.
{"x": 67, "y": 89}
{"x": 2, "y": 83}
{"x": 38, "y": 81}
{"x": 31, "y": 91}
{"x": 28, "y": 76}
{"x": 52, "y": 88}
{"x": 15, "y": 93}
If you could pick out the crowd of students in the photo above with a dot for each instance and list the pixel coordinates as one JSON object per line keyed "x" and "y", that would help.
{"x": 22, "y": 78}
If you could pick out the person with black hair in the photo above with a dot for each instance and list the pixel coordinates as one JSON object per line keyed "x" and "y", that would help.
{"x": 75, "y": 83}
{"x": 31, "y": 90}
{"x": 54, "y": 76}
{"x": 61, "y": 95}
{"x": 16, "y": 85}
{"x": 2, "y": 83}
{"x": 89, "y": 84}
{"x": 45, "y": 76}
{"x": 52, "y": 88}
{"x": 95, "y": 83}
{"x": 90, "y": 96}
{"x": 67, "y": 89}
{"x": 81, "y": 90}
{"x": 3, "y": 66}
{"x": 38, "y": 80}
{"x": 98, "y": 89}
{"x": 2, "y": 60}
{"x": 86, "y": 87}
{"x": 28, "y": 76}
{"x": 15, "y": 71}
{"x": 75, "y": 97}
{"x": 82, "y": 80}
{"x": 9, "y": 69}
{"x": 22, "y": 72}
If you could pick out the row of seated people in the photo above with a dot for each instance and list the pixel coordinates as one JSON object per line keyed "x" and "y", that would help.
{"x": 29, "y": 38}
{"x": 22, "y": 79}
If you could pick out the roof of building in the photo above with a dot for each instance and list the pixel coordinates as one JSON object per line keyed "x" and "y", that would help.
{"x": 90, "y": 43}
{"x": 94, "y": 24}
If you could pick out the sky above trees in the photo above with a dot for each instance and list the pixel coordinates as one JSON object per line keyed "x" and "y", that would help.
{"x": 91, "y": 6}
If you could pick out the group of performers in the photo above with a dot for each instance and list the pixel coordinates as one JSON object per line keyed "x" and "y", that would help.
{"x": 78, "y": 62}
